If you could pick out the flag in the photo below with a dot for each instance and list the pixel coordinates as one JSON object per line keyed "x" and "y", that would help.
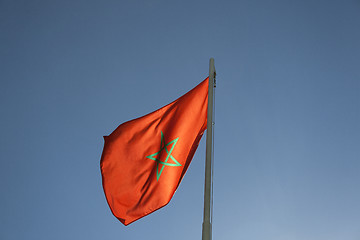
{"x": 144, "y": 160}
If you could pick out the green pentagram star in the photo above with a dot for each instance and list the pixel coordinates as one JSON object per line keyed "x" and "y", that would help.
{"x": 156, "y": 156}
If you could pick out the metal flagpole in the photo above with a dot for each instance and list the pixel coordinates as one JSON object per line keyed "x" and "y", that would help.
{"x": 207, "y": 228}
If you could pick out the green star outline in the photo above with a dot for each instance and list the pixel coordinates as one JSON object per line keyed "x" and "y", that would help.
{"x": 165, "y": 163}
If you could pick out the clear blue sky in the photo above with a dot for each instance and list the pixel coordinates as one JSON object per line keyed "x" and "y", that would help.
{"x": 287, "y": 136}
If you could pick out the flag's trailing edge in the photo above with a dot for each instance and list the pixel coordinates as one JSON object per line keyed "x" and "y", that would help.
{"x": 144, "y": 160}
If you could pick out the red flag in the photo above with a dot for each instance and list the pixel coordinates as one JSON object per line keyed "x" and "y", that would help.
{"x": 144, "y": 160}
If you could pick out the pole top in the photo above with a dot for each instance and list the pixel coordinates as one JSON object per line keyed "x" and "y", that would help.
{"x": 212, "y": 65}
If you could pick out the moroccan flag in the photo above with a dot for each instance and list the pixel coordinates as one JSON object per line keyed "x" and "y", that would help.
{"x": 144, "y": 160}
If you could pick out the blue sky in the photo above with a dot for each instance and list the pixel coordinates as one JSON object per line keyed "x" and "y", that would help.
{"x": 287, "y": 135}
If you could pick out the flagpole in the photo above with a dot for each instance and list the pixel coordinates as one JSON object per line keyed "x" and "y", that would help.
{"x": 207, "y": 221}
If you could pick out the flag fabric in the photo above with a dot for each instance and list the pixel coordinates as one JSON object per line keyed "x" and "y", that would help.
{"x": 144, "y": 160}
